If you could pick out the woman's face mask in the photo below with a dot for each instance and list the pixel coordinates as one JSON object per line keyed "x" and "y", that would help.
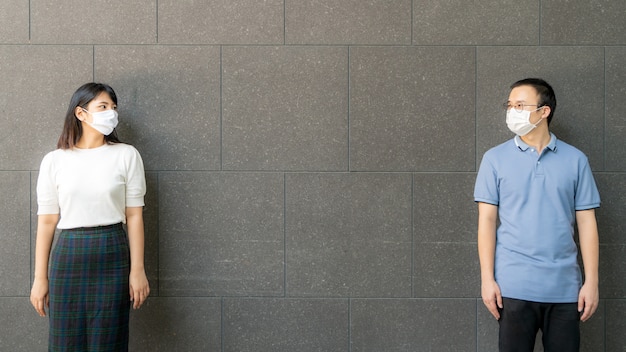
{"x": 103, "y": 121}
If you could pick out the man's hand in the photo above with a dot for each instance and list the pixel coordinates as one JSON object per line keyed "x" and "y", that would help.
{"x": 588, "y": 299}
{"x": 492, "y": 298}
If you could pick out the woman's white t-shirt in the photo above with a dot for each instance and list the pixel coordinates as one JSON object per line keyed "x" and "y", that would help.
{"x": 91, "y": 187}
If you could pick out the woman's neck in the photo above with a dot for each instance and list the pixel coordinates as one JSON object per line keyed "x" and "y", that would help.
{"x": 90, "y": 141}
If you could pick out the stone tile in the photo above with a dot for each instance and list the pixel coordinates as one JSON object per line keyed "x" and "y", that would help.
{"x": 285, "y": 108}
{"x": 102, "y": 22}
{"x": 33, "y": 225}
{"x": 610, "y": 215}
{"x": 14, "y": 16}
{"x": 413, "y": 325}
{"x": 487, "y": 328}
{"x": 482, "y": 22}
{"x": 348, "y": 235}
{"x": 221, "y": 234}
{"x": 34, "y": 102}
{"x": 169, "y": 102}
{"x": 21, "y": 329}
{"x": 444, "y": 208}
{"x": 176, "y": 324}
{"x": 615, "y": 117}
{"x": 592, "y": 331}
{"x": 615, "y": 325}
{"x": 575, "y": 73}
{"x": 446, "y": 270}
{"x": 286, "y": 325}
{"x": 581, "y": 22}
{"x": 348, "y": 22}
{"x": 221, "y": 22}
{"x": 612, "y": 271}
{"x": 15, "y": 220}
{"x": 412, "y": 109}
{"x": 151, "y": 232}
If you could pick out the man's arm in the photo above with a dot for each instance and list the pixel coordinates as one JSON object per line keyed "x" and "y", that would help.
{"x": 589, "y": 248}
{"x": 490, "y": 291}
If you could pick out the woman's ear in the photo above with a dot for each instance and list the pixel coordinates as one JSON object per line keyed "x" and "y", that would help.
{"x": 79, "y": 113}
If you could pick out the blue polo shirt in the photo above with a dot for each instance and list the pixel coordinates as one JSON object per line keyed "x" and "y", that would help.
{"x": 537, "y": 198}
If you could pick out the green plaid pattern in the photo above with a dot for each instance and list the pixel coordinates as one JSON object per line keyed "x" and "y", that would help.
{"x": 89, "y": 295}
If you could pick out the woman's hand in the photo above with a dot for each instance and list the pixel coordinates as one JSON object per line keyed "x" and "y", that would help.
{"x": 139, "y": 287}
{"x": 39, "y": 296}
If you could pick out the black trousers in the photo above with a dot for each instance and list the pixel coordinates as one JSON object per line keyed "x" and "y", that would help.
{"x": 521, "y": 320}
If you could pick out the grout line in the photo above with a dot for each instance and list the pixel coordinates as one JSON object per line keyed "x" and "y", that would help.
{"x": 349, "y": 96}
{"x": 222, "y": 329}
{"x": 412, "y": 235}
{"x": 156, "y": 30}
{"x": 221, "y": 114}
{"x": 30, "y": 20}
{"x": 412, "y": 19}
{"x": 30, "y": 227}
{"x": 93, "y": 63}
{"x": 476, "y": 156}
{"x": 285, "y": 235}
{"x": 158, "y": 230}
{"x": 476, "y": 305}
{"x": 284, "y": 22}
{"x": 604, "y": 126}
{"x": 540, "y": 21}
{"x": 349, "y": 324}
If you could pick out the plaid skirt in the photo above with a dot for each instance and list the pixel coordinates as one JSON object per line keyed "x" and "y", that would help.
{"x": 89, "y": 294}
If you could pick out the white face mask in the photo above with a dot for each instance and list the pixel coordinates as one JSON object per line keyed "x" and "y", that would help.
{"x": 103, "y": 121}
{"x": 519, "y": 122}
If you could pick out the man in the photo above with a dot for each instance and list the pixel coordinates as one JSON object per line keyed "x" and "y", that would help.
{"x": 539, "y": 187}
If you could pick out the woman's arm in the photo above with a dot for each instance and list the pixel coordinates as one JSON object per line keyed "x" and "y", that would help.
{"x": 138, "y": 282}
{"x": 46, "y": 224}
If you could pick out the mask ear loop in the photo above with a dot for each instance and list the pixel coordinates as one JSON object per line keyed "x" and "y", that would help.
{"x": 541, "y": 118}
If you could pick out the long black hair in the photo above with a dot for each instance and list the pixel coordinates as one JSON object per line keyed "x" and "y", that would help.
{"x": 73, "y": 129}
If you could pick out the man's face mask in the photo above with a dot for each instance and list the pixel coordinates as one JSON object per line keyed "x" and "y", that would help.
{"x": 519, "y": 121}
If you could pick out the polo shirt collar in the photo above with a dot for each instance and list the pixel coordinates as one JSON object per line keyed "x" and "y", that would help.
{"x": 523, "y": 146}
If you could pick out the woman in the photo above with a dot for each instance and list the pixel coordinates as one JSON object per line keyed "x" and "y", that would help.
{"x": 87, "y": 188}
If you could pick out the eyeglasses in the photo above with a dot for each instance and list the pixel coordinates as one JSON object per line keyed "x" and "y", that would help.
{"x": 519, "y": 107}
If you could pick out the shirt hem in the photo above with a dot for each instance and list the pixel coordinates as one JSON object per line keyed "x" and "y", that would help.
{"x": 542, "y": 300}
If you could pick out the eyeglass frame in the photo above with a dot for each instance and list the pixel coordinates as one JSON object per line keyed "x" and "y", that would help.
{"x": 507, "y": 106}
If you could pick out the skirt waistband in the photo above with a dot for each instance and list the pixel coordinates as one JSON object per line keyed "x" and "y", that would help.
{"x": 97, "y": 228}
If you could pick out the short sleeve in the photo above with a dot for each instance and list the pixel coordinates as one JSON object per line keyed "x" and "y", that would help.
{"x": 587, "y": 195}
{"x": 486, "y": 186}
{"x": 47, "y": 192}
{"x": 135, "y": 180}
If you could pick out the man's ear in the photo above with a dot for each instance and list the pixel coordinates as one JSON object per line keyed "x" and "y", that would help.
{"x": 546, "y": 112}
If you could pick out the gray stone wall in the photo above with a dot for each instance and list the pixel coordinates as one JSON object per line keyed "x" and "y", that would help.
{"x": 310, "y": 163}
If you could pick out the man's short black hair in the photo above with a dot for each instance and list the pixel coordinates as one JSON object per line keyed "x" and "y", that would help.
{"x": 545, "y": 91}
